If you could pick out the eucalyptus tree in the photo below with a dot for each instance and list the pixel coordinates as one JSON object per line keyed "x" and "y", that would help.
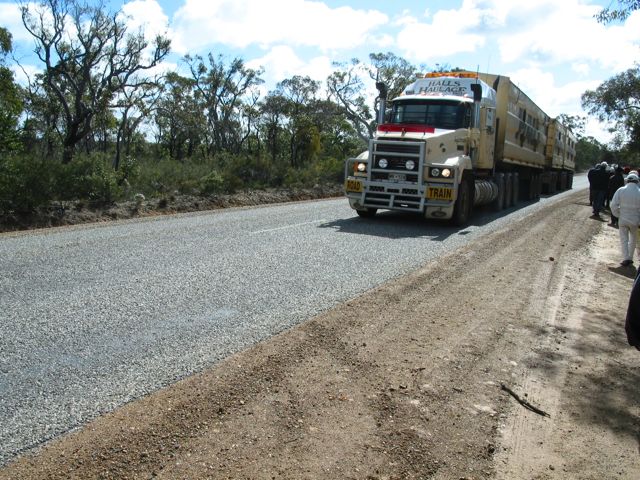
{"x": 352, "y": 86}
{"x": 223, "y": 91}
{"x": 618, "y": 100}
{"x": 619, "y": 12}
{"x": 134, "y": 106}
{"x": 89, "y": 58}
{"x": 300, "y": 96}
{"x": 347, "y": 87}
{"x": 272, "y": 120}
{"x": 10, "y": 98}
{"x": 179, "y": 117}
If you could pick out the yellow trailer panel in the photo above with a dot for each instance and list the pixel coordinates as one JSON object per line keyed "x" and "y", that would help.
{"x": 520, "y": 127}
{"x": 561, "y": 147}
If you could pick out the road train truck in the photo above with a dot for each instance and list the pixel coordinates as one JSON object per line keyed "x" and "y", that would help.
{"x": 452, "y": 142}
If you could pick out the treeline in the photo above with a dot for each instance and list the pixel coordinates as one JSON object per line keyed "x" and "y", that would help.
{"x": 103, "y": 120}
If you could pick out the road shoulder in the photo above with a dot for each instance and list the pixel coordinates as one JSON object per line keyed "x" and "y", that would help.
{"x": 405, "y": 381}
{"x": 584, "y": 375}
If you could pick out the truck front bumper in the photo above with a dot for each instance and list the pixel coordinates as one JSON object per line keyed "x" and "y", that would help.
{"x": 433, "y": 199}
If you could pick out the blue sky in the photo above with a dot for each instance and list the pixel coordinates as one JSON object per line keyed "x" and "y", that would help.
{"x": 554, "y": 50}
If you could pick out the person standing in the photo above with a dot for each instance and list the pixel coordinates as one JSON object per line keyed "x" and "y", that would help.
{"x": 632, "y": 324}
{"x": 625, "y": 205}
{"x": 590, "y": 175}
{"x": 615, "y": 182}
{"x": 599, "y": 183}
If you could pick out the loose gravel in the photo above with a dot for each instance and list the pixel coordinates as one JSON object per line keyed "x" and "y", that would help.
{"x": 93, "y": 317}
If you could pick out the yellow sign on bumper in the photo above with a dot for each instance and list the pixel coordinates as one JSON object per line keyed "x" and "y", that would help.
{"x": 440, "y": 193}
{"x": 353, "y": 185}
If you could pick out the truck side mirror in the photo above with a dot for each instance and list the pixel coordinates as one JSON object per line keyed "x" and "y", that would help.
{"x": 477, "y": 92}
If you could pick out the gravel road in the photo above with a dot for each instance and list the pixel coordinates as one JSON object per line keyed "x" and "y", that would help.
{"x": 93, "y": 317}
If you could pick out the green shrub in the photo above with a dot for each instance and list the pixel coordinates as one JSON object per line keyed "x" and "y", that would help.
{"x": 25, "y": 183}
{"x": 129, "y": 170}
{"x": 166, "y": 176}
{"x": 326, "y": 170}
{"x": 89, "y": 177}
{"x": 212, "y": 183}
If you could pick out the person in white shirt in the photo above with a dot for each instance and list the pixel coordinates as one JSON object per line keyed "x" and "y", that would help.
{"x": 625, "y": 205}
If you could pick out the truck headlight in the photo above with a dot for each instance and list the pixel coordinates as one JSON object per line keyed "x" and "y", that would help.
{"x": 436, "y": 172}
{"x": 410, "y": 165}
{"x": 361, "y": 167}
{"x": 383, "y": 163}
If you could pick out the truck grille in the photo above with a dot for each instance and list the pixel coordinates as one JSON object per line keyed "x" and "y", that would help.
{"x": 383, "y": 176}
{"x": 398, "y": 147}
{"x": 396, "y": 153}
{"x": 397, "y": 188}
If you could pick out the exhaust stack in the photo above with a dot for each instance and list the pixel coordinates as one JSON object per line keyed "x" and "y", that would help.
{"x": 476, "y": 88}
{"x": 382, "y": 98}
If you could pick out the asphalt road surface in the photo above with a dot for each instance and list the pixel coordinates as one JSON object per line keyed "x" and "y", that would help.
{"x": 93, "y": 317}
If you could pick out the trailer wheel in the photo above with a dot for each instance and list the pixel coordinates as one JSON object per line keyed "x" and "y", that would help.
{"x": 516, "y": 188}
{"x": 367, "y": 212}
{"x": 464, "y": 204}
{"x": 538, "y": 186}
{"x": 498, "y": 203}
{"x": 564, "y": 181}
{"x": 508, "y": 190}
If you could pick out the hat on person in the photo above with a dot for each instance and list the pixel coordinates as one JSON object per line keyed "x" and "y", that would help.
{"x": 632, "y": 177}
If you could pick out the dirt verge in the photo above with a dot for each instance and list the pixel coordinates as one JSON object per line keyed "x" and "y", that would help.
{"x": 79, "y": 212}
{"x": 405, "y": 381}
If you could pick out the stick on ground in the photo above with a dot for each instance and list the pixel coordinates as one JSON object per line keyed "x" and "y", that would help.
{"x": 523, "y": 402}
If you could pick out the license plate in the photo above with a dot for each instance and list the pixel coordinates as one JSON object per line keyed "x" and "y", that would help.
{"x": 353, "y": 186}
{"x": 440, "y": 193}
{"x": 397, "y": 177}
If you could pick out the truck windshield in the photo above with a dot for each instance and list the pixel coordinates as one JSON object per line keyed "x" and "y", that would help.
{"x": 444, "y": 114}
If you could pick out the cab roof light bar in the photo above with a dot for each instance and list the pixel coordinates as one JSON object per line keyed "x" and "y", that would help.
{"x": 451, "y": 74}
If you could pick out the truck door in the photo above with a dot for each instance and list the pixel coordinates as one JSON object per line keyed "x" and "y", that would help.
{"x": 487, "y": 137}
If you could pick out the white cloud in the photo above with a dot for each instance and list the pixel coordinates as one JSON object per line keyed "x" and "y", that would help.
{"x": 581, "y": 68}
{"x": 567, "y": 32}
{"x": 147, "y": 15}
{"x": 22, "y": 74}
{"x": 450, "y": 32}
{"x": 554, "y": 99}
{"x": 12, "y": 21}
{"x": 240, "y": 23}
{"x": 600, "y": 131}
{"x": 282, "y": 62}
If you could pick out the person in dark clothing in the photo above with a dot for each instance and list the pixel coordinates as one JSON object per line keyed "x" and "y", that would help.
{"x": 632, "y": 324}
{"x": 615, "y": 182}
{"x": 599, "y": 183}
{"x": 590, "y": 174}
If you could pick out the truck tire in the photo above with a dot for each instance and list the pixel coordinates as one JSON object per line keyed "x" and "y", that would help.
{"x": 530, "y": 188}
{"x": 563, "y": 181}
{"x": 508, "y": 190}
{"x": 464, "y": 204}
{"x": 538, "y": 188}
{"x": 367, "y": 212}
{"x": 498, "y": 203}
{"x": 516, "y": 188}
